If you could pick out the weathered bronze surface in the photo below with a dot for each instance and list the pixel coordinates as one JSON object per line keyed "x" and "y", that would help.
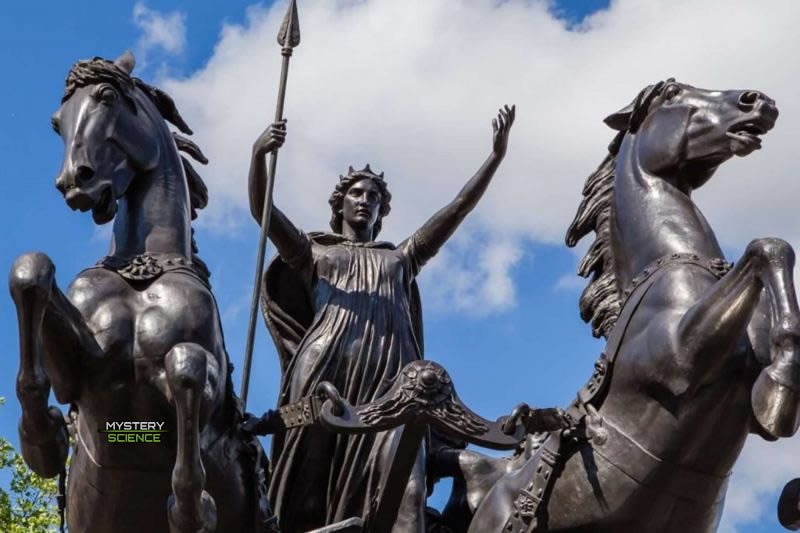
{"x": 136, "y": 337}
{"x": 700, "y": 352}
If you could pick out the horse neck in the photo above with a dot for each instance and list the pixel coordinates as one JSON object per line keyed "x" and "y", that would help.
{"x": 652, "y": 218}
{"x": 154, "y": 214}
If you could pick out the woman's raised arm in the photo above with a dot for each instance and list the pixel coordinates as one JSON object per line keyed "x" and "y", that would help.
{"x": 291, "y": 243}
{"x": 435, "y": 232}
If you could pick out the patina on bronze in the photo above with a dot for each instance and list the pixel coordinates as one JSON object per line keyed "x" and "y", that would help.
{"x": 343, "y": 308}
{"x": 690, "y": 338}
{"x": 120, "y": 344}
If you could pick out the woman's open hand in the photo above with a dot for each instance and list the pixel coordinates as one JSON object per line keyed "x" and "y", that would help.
{"x": 502, "y": 126}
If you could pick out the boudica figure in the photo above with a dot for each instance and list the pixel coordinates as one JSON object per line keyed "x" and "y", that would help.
{"x": 344, "y": 308}
{"x": 700, "y": 353}
{"x": 120, "y": 346}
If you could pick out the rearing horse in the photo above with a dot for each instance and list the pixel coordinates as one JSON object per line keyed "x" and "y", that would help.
{"x": 137, "y": 337}
{"x": 698, "y": 356}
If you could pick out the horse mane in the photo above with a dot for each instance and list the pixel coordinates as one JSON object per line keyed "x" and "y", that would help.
{"x": 600, "y": 301}
{"x": 99, "y": 70}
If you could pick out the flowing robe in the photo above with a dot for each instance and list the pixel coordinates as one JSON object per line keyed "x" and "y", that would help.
{"x": 347, "y": 313}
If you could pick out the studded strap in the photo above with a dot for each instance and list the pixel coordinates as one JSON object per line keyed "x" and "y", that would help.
{"x": 527, "y": 506}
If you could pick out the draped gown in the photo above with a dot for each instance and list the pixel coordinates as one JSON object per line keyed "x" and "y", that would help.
{"x": 365, "y": 328}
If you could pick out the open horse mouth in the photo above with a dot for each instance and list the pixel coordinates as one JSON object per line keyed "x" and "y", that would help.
{"x": 78, "y": 199}
{"x": 748, "y": 134}
{"x": 105, "y": 208}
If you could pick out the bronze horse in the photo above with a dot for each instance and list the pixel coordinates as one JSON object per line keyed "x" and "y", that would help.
{"x": 136, "y": 337}
{"x": 699, "y": 353}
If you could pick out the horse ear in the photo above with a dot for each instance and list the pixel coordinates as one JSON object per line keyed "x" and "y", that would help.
{"x": 126, "y": 61}
{"x": 621, "y": 119}
{"x": 630, "y": 117}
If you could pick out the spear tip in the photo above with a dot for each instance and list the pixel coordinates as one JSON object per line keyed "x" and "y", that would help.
{"x": 289, "y": 34}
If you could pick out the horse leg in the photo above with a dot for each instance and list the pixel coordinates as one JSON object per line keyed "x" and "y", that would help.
{"x": 716, "y": 323}
{"x": 776, "y": 393}
{"x": 190, "y": 508}
{"x": 42, "y": 431}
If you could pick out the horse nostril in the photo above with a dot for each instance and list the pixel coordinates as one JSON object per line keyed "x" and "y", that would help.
{"x": 748, "y": 99}
{"x": 83, "y": 175}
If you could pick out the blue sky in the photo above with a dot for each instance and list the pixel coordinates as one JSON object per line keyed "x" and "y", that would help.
{"x": 503, "y": 317}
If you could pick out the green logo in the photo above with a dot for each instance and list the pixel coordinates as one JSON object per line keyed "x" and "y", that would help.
{"x": 129, "y": 432}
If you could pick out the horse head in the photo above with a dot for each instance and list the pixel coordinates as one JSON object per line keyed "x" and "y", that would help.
{"x": 112, "y": 131}
{"x": 675, "y": 133}
{"x": 685, "y": 133}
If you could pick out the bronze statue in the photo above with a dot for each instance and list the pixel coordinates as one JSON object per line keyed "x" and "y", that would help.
{"x": 136, "y": 337}
{"x": 343, "y": 308}
{"x": 699, "y": 353}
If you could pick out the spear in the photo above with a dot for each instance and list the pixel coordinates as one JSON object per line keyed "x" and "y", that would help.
{"x": 288, "y": 38}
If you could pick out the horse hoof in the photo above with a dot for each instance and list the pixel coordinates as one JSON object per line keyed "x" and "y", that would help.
{"x": 789, "y": 505}
{"x": 45, "y": 451}
{"x": 776, "y": 405}
{"x": 204, "y": 522}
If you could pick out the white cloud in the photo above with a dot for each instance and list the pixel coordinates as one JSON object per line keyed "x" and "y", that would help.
{"x": 412, "y": 86}
{"x": 570, "y": 282}
{"x": 471, "y": 276}
{"x": 165, "y": 32}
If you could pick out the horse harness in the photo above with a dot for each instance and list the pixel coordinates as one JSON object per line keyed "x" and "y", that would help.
{"x": 149, "y": 266}
{"x": 583, "y": 423}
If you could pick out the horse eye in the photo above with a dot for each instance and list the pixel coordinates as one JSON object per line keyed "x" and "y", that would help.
{"x": 107, "y": 94}
{"x": 671, "y": 92}
{"x": 54, "y": 124}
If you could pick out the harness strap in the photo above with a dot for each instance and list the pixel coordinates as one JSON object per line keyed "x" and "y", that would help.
{"x": 596, "y": 387}
{"x": 528, "y": 503}
{"x": 625, "y": 453}
{"x": 150, "y": 266}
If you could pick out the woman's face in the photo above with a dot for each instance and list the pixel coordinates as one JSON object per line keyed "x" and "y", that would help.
{"x": 362, "y": 204}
